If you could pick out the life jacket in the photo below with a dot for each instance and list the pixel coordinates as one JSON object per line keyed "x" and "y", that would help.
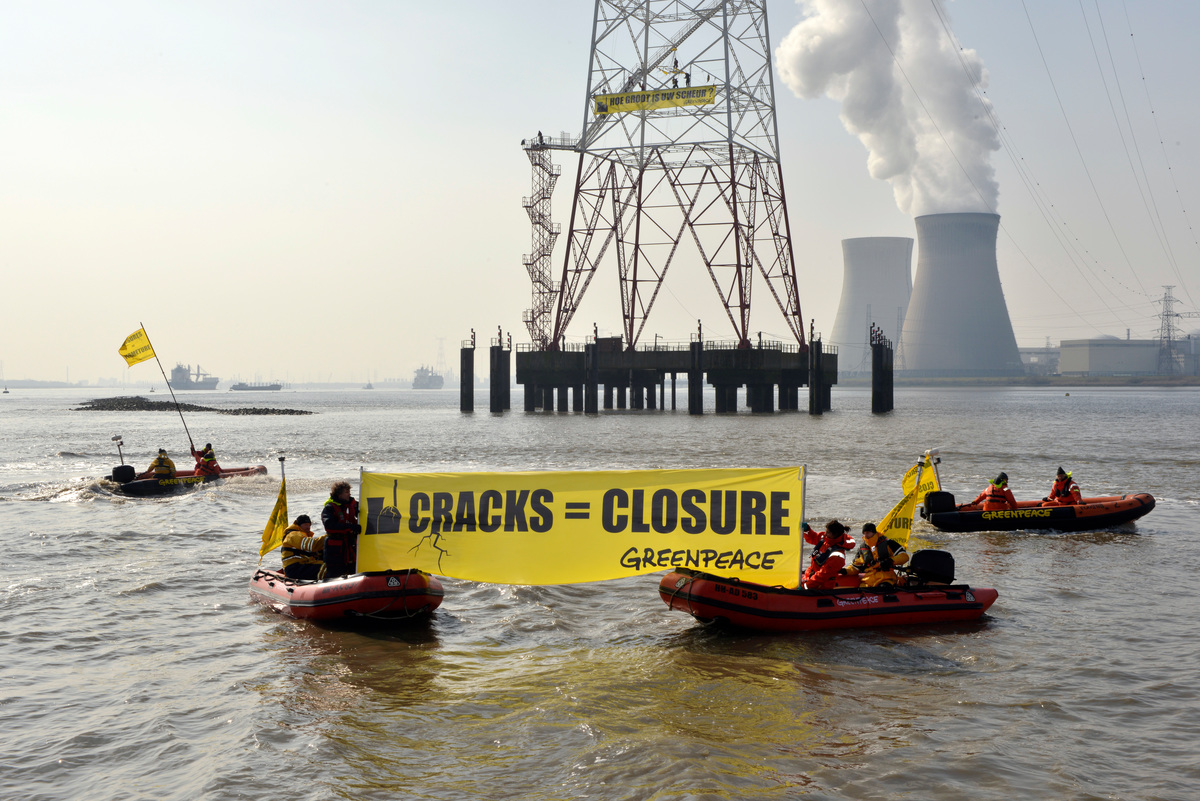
{"x": 162, "y": 466}
{"x": 826, "y": 563}
{"x": 1065, "y": 492}
{"x": 867, "y": 561}
{"x": 995, "y": 497}
{"x": 344, "y": 517}
{"x": 301, "y": 548}
{"x": 341, "y": 527}
{"x": 206, "y": 463}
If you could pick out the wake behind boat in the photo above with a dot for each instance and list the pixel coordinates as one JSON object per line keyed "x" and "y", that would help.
{"x": 1089, "y": 514}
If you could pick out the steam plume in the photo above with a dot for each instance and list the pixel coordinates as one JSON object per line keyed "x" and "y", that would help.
{"x": 840, "y": 51}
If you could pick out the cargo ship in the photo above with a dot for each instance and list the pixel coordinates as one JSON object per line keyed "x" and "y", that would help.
{"x": 182, "y": 377}
{"x": 242, "y": 386}
{"x": 425, "y": 378}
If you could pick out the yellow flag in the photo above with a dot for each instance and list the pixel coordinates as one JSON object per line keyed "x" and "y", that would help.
{"x": 897, "y": 524}
{"x": 273, "y": 534}
{"x": 136, "y": 348}
{"x": 574, "y": 527}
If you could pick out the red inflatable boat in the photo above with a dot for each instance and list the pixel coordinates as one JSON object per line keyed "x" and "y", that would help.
{"x": 711, "y": 599}
{"x": 1090, "y": 514}
{"x": 389, "y": 596}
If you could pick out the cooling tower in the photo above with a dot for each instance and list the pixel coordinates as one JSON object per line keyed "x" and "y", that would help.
{"x": 957, "y": 323}
{"x": 875, "y": 289}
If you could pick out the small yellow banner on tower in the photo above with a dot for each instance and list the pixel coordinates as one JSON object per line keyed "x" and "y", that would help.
{"x": 575, "y": 527}
{"x": 649, "y": 101}
{"x": 136, "y": 348}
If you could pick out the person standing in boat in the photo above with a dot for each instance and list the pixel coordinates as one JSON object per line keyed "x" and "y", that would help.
{"x": 303, "y": 552}
{"x": 828, "y": 557}
{"x": 340, "y": 519}
{"x": 876, "y": 558}
{"x": 206, "y": 461}
{"x": 996, "y": 495}
{"x": 1064, "y": 492}
{"x": 162, "y": 466}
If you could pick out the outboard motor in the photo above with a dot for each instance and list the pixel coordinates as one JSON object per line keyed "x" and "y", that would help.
{"x": 937, "y": 502}
{"x": 124, "y": 473}
{"x": 932, "y": 566}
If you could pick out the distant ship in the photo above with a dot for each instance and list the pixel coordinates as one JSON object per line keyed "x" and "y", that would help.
{"x": 182, "y": 377}
{"x": 242, "y": 386}
{"x": 424, "y": 378}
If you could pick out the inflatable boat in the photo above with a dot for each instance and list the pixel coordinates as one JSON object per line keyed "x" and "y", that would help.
{"x": 712, "y": 599}
{"x": 1088, "y": 515}
{"x": 142, "y": 486}
{"x": 361, "y": 597}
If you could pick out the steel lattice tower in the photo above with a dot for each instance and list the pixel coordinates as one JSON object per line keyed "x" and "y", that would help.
{"x": 679, "y": 141}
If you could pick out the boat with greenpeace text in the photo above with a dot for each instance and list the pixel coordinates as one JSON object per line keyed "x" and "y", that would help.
{"x": 1090, "y": 514}
{"x": 922, "y": 592}
{"x": 1068, "y": 513}
{"x": 721, "y": 533}
{"x": 146, "y": 485}
{"x": 388, "y": 596}
{"x": 360, "y": 597}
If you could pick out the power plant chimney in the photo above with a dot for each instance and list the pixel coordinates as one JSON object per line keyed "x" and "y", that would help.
{"x": 957, "y": 323}
{"x": 876, "y": 287}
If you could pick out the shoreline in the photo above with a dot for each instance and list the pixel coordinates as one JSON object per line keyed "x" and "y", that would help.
{"x": 1037, "y": 381}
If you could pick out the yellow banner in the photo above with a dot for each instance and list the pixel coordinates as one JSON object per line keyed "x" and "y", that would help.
{"x": 575, "y": 527}
{"x": 273, "y": 534}
{"x": 897, "y": 524}
{"x": 648, "y": 101}
{"x": 136, "y": 348}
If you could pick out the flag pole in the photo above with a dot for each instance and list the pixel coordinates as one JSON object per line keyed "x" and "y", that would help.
{"x": 169, "y": 388}
{"x": 803, "y": 518}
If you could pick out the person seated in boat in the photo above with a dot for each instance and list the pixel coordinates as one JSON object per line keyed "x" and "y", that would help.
{"x": 340, "y": 519}
{"x": 206, "y": 461}
{"x": 995, "y": 496}
{"x": 828, "y": 556}
{"x": 1064, "y": 491}
{"x": 162, "y": 466}
{"x": 877, "y": 558}
{"x": 303, "y": 552}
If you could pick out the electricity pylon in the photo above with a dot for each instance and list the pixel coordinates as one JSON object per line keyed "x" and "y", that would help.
{"x": 679, "y": 138}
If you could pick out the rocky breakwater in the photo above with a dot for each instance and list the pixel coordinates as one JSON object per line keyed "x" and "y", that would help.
{"x": 140, "y": 404}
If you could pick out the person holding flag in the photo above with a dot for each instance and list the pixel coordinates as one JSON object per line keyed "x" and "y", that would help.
{"x": 206, "y": 461}
{"x": 877, "y": 558}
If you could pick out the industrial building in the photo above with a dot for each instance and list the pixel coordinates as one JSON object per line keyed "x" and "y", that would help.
{"x": 1110, "y": 356}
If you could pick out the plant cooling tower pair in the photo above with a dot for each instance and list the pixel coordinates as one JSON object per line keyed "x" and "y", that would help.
{"x": 955, "y": 321}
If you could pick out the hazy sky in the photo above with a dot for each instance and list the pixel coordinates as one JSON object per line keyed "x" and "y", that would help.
{"x": 331, "y": 191}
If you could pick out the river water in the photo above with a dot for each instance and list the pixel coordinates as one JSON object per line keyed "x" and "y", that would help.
{"x": 133, "y": 664}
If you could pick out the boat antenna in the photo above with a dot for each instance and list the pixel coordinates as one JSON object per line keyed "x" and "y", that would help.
{"x": 117, "y": 439}
{"x": 169, "y": 388}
